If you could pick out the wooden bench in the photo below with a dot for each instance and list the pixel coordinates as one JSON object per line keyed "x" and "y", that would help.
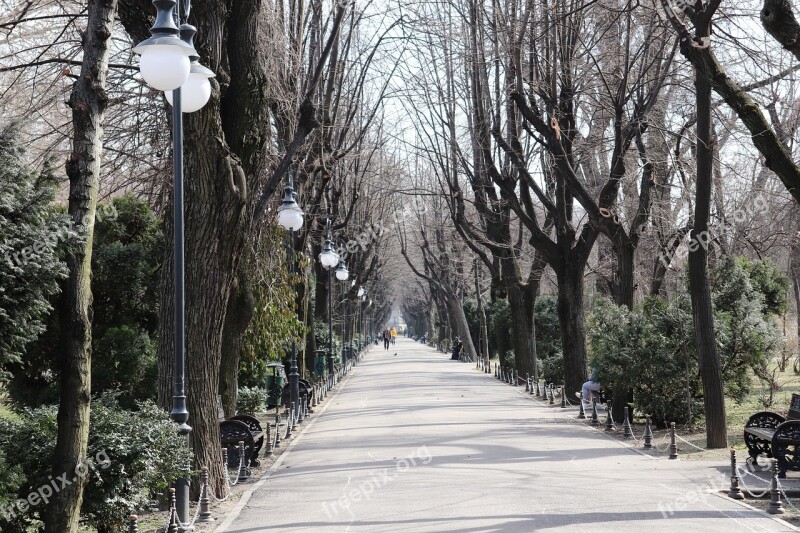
{"x": 242, "y": 428}
{"x": 773, "y": 435}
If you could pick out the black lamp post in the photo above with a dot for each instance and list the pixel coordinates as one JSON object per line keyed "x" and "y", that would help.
{"x": 169, "y": 62}
{"x": 290, "y": 217}
{"x": 329, "y": 259}
{"x": 342, "y": 274}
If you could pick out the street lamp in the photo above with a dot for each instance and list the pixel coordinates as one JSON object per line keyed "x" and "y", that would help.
{"x": 329, "y": 258}
{"x": 167, "y": 61}
{"x": 290, "y": 218}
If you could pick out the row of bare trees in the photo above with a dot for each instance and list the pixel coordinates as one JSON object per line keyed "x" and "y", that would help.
{"x": 581, "y": 141}
{"x": 299, "y": 89}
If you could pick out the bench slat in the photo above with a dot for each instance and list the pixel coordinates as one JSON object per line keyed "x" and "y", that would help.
{"x": 761, "y": 433}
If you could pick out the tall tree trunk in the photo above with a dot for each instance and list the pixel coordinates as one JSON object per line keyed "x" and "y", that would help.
{"x": 794, "y": 267}
{"x": 570, "y": 316}
{"x": 521, "y": 309}
{"x": 624, "y": 296}
{"x": 88, "y": 102}
{"x": 484, "y": 331}
{"x": 461, "y": 326}
{"x": 241, "y": 306}
{"x": 710, "y": 371}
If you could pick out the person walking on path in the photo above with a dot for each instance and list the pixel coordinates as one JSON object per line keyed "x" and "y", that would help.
{"x": 387, "y": 338}
{"x": 394, "y": 335}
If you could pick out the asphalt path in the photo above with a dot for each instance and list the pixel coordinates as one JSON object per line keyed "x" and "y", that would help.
{"x": 412, "y": 441}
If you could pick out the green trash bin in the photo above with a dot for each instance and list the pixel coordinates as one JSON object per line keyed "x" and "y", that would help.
{"x": 276, "y": 379}
{"x": 320, "y": 367}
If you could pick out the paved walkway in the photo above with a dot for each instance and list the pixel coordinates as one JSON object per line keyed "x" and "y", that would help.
{"x": 415, "y": 442}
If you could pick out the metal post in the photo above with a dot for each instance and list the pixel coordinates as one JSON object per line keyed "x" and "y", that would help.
{"x": 595, "y": 418}
{"x": 581, "y": 410}
{"x": 552, "y": 398}
{"x": 179, "y": 414}
{"x": 270, "y": 450}
{"x": 205, "y": 513}
{"x": 294, "y": 374}
{"x": 673, "y": 447}
{"x": 735, "y": 492}
{"x": 627, "y": 431}
{"x": 648, "y": 433}
{"x": 610, "y": 426}
{"x": 242, "y": 462}
{"x": 527, "y": 382}
{"x": 330, "y": 322}
{"x": 173, "y": 518}
{"x": 563, "y": 397}
{"x": 775, "y": 504}
{"x": 133, "y": 527}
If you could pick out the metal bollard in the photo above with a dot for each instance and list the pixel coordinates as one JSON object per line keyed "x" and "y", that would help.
{"x": 514, "y": 375}
{"x": 527, "y": 382}
{"x": 735, "y": 492}
{"x": 205, "y": 512}
{"x": 225, "y": 458}
{"x": 610, "y": 426}
{"x": 563, "y": 397}
{"x": 133, "y": 527}
{"x": 648, "y": 433}
{"x": 495, "y": 370}
{"x": 627, "y": 431}
{"x": 550, "y": 395}
{"x": 243, "y": 474}
{"x": 536, "y": 384}
{"x": 673, "y": 446}
{"x": 595, "y": 418}
{"x": 277, "y": 436}
{"x": 173, "y": 513}
{"x": 300, "y": 415}
{"x": 289, "y": 424}
{"x": 775, "y": 504}
{"x": 270, "y": 450}
{"x": 581, "y": 410}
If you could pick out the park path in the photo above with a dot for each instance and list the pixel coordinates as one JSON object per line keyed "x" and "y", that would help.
{"x": 414, "y": 442}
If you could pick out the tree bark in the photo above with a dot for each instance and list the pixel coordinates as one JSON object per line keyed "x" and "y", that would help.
{"x": 88, "y": 102}
{"x": 570, "y": 316}
{"x": 703, "y": 319}
{"x": 484, "y": 335}
{"x": 241, "y": 306}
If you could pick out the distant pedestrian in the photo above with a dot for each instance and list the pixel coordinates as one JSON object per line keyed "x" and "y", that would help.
{"x": 387, "y": 338}
{"x": 394, "y": 335}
